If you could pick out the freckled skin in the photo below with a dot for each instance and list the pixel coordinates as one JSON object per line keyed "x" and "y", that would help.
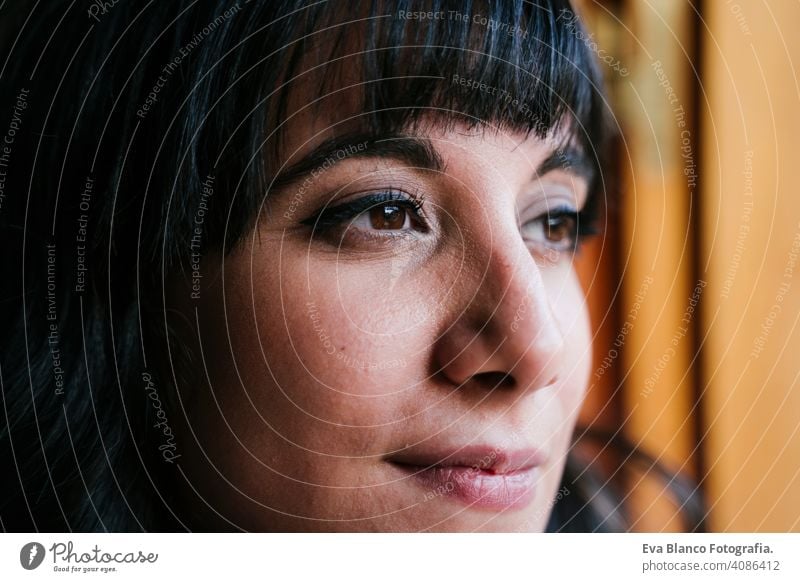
{"x": 325, "y": 356}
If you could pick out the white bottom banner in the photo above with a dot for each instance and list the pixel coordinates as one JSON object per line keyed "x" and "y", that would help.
{"x": 395, "y": 557}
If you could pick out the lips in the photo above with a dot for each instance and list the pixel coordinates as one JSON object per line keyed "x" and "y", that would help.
{"x": 481, "y": 477}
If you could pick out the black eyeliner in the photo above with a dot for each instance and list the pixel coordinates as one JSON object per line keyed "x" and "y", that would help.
{"x": 584, "y": 223}
{"x": 330, "y": 217}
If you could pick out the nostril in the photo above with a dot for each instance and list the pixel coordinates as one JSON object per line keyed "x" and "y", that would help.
{"x": 494, "y": 380}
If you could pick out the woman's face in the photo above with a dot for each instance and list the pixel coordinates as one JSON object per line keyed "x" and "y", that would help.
{"x": 401, "y": 344}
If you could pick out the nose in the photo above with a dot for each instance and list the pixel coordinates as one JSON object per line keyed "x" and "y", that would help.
{"x": 505, "y": 333}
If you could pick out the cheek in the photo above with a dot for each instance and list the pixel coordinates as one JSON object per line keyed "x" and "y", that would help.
{"x": 309, "y": 383}
{"x": 569, "y": 306}
{"x": 570, "y": 310}
{"x": 339, "y": 349}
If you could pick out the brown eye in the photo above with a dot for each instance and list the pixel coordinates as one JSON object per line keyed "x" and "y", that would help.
{"x": 384, "y": 215}
{"x": 557, "y": 230}
{"x": 560, "y": 228}
{"x": 388, "y": 217}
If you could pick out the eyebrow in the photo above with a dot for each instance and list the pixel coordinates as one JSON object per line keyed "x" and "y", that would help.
{"x": 418, "y": 152}
{"x": 415, "y": 151}
{"x": 569, "y": 159}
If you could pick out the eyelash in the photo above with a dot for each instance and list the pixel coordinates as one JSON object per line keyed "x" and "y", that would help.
{"x": 328, "y": 219}
{"x": 332, "y": 217}
{"x": 584, "y": 223}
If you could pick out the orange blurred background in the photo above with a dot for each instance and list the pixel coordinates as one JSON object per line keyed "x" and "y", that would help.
{"x": 695, "y": 289}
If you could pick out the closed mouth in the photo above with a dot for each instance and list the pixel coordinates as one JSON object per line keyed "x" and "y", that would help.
{"x": 480, "y": 477}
